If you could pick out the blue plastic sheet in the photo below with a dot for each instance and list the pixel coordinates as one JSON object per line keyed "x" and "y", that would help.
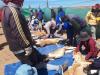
{"x": 10, "y": 69}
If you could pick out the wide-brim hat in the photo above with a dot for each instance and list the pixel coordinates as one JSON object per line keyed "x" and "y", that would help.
{"x": 84, "y": 36}
{"x": 26, "y": 70}
{"x": 97, "y": 6}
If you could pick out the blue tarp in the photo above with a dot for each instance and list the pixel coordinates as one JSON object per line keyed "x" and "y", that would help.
{"x": 10, "y": 69}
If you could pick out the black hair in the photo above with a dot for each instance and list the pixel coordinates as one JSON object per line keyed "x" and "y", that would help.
{"x": 65, "y": 18}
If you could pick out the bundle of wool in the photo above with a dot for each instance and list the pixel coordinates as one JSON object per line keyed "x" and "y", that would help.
{"x": 78, "y": 65}
{"x": 98, "y": 43}
{"x": 49, "y": 41}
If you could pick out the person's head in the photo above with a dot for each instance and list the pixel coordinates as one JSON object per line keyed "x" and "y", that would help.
{"x": 52, "y": 10}
{"x": 65, "y": 18}
{"x": 84, "y": 36}
{"x": 60, "y": 9}
{"x": 39, "y": 10}
{"x": 17, "y": 2}
{"x": 97, "y": 6}
{"x": 93, "y": 9}
{"x": 35, "y": 10}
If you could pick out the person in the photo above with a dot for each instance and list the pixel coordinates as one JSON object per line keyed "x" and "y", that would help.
{"x": 53, "y": 14}
{"x": 98, "y": 21}
{"x": 73, "y": 24}
{"x": 36, "y": 13}
{"x": 34, "y": 24}
{"x": 91, "y": 20}
{"x": 50, "y": 28}
{"x": 78, "y": 25}
{"x": 40, "y": 15}
{"x": 87, "y": 46}
{"x": 67, "y": 27}
{"x": 18, "y": 35}
{"x": 60, "y": 14}
{"x": 40, "y": 18}
{"x": 31, "y": 14}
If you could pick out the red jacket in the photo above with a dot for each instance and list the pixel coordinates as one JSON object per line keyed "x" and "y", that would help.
{"x": 89, "y": 48}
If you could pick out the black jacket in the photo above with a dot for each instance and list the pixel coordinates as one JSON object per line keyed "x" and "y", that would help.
{"x": 16, "y": 29}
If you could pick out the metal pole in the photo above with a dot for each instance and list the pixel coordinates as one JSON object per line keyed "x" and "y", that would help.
{"x": 47, "y": 4}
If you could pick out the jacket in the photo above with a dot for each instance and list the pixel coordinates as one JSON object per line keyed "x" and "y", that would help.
{"x": 90, "y": 48}
{"x": 91, "y": 19}
{"x": 15, "y": 28}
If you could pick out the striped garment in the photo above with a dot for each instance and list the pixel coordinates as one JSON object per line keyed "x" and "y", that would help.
{"x": 16, "y": 29}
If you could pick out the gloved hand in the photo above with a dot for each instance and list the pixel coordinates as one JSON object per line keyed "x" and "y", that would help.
{"x": 28, "y": 51}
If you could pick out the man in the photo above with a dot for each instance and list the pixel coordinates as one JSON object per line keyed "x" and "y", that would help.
{"x": 60, "y": 14}
{"x": 17, "y": 33}
{"x": 87, "y": 45}
{"x": 92, "y": 21}
{"x": 73, "y": 24}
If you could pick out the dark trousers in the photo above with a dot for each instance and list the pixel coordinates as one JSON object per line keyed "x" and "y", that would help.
{"x": 33, "y": 59}
{"x": 70, "y": 36}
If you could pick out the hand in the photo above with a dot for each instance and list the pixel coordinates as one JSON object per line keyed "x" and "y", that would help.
{"x": 28, "y": 51}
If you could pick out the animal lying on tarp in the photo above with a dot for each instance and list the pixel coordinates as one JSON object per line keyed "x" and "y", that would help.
{"x": 43, "y": 42}
{"x": 60, "y": 52}
{"x": 38, "y": 33}
{"x": 78, "y": 65}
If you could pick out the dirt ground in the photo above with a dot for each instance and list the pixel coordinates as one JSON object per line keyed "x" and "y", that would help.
{"x": 6, "y": 56}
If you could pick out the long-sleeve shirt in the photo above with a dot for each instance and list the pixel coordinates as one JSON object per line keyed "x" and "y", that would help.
{"x": 90, "y": 18}
{"x": 89, "y": 49}
{"x": 15, "y": 28}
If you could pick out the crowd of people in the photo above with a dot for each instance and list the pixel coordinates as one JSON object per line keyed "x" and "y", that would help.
{"x": 80, "y": 32}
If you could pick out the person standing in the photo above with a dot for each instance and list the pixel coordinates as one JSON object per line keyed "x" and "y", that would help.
{"x": 17, "y": 33}
{"x": 53, "y": 14}
{"x": 91, "y": 20}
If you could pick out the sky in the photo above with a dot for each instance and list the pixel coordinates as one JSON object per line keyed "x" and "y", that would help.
{"x": 57, "y": 3}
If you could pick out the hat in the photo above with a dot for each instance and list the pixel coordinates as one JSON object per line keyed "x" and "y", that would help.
{"x": 26, "y": 70}
{"x": 19, "y": 2}
{"x": 97, "y": 6}
{"x": 84, "y": 36}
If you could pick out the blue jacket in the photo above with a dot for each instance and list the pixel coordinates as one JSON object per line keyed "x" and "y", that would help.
{"x": 66, "y": 26}
{"x": 58, "y": 17}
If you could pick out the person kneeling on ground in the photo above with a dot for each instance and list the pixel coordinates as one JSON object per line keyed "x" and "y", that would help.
{"x": 87, "y": 45}
{"x": 50, "y": 28}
